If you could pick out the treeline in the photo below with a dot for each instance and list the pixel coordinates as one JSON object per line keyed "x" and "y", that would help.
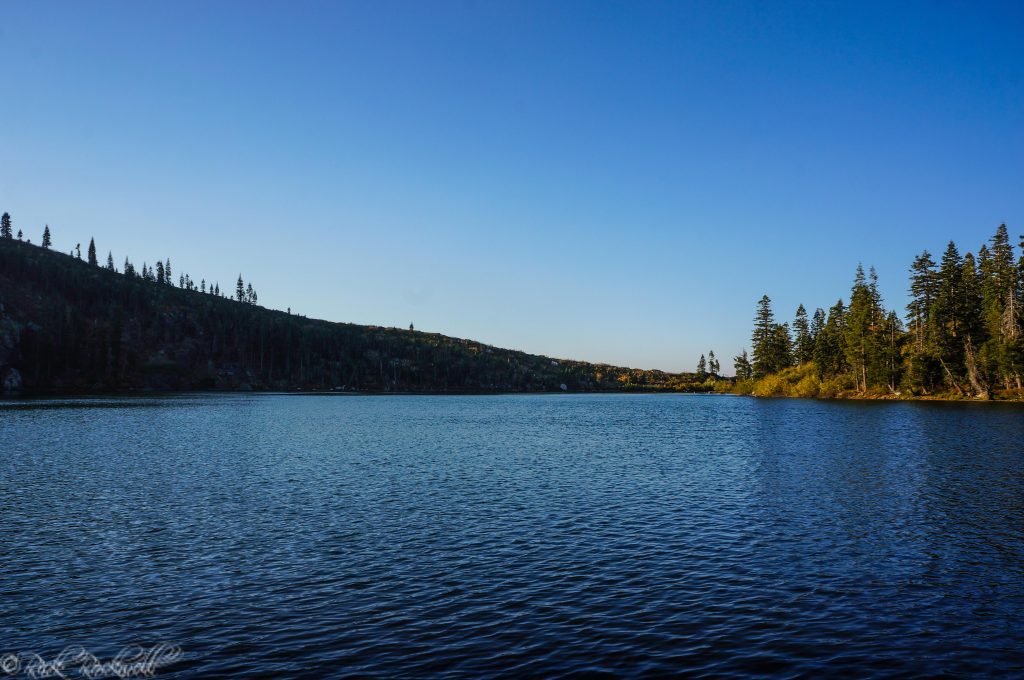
{"x": 69, "y": 325}
{"x": 160, "y": 273}
{"x": 961, "y": 335}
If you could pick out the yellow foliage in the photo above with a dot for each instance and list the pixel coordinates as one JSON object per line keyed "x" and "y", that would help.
{"x": 807, "y": 387}
{"x": 743, "y": 387}
{"x": 770, "y": 386}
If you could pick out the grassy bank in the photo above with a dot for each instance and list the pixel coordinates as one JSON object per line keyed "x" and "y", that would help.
{"x": 804, "y": 382}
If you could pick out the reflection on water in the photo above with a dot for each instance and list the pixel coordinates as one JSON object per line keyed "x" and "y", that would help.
{"x": 312, "y": 536}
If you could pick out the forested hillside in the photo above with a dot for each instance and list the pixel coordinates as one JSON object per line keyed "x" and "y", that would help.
{"x": 961, "y": 336}
{"x": 72, "y": 324}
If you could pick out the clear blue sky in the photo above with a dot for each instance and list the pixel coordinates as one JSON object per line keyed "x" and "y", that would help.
{"x": 614, "y": 182}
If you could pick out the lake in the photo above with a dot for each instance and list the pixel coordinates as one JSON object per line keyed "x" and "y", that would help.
{"x": 535, "y": 535}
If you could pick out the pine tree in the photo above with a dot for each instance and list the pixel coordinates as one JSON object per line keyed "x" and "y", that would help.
{"x": 713, "y": 366}
{"x": 817, "y": 323}
{"x": 92, "y": 253}
{"x": 5, "y": 226}
{"x": 923, "y": 291}
{"x": 110, "y": 261}
{"x": 741, "y": 363}
{"x": 972, "y": 324}
{"x": 782, "y": 347}
{"x": 830, "y": 345}
{"x": 167, "y": 273}
{"x": 858, "y": 320}
{"x": 924, "y": 371}
{"x": 863, "y": 324}
{"x": 804, "y": 340}
{"x": 946, "y": 319}
{"x": 702, "y": 368}
{"x": 892, "y": 353}
{"x": 46, "y": 237}
{"x": 761, "y": 340}
{"x": 1005, "y": 282}
{"x": 240, "y": 290}
{"x": 1000, "y": 288}
{"x": 19, "y": 234}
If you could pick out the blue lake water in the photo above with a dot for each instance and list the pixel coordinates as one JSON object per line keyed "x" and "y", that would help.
{"x": 324, "y": 536}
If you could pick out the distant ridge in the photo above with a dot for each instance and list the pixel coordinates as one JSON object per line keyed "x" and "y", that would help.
{"x": 70, "y": 326}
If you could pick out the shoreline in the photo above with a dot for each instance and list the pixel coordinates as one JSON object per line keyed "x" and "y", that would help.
{"x": 894, "y": 398}
{"x": 71, "y": 394}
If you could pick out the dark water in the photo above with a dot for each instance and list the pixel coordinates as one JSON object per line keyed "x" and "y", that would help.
{"x": 305, "y": 536}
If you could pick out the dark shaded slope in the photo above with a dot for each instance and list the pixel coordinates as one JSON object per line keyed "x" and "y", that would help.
{"x": 66, "y": 325}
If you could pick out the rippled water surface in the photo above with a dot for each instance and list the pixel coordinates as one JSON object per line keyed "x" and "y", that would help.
{"x": 320, "y": 536}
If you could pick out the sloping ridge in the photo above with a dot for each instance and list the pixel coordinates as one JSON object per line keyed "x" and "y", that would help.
{"x": 68, "y": 326}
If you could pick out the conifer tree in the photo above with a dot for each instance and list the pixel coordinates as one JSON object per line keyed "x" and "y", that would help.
{"x": 1005, "y": 281}
{"x": 892, "y": 354}
{"x": 946, "y": 320}
{"x": 1000, "y": 289}
{"x": 742, "y": 366}
{"x": 159, "y": 271}
{"x": 923, "y": 369}
{"x": 5, "y": 226}
{"x": 19, "y": 234}
{"x": 972, "y": 325}
{"x": 782, "y": 347}
{"x": 240, "y": 290}
{"x": 92, "y": 253}
{"x": 46, "y": 237}
{"x": 713, "y": 366}
{"x": 110, "y": 261}
{"x": 702, "y": 368}
{"x": 764, "y": 330}
{"x": 1020, "y": 273}
{"x": 817, "y": 323}
{"x": 167, "y": 273}
{"x": 830, "y": 345}
{"x": 923, "y": 291}
{"x": 804, "y": 340}
{"x": 863, "y": 323}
